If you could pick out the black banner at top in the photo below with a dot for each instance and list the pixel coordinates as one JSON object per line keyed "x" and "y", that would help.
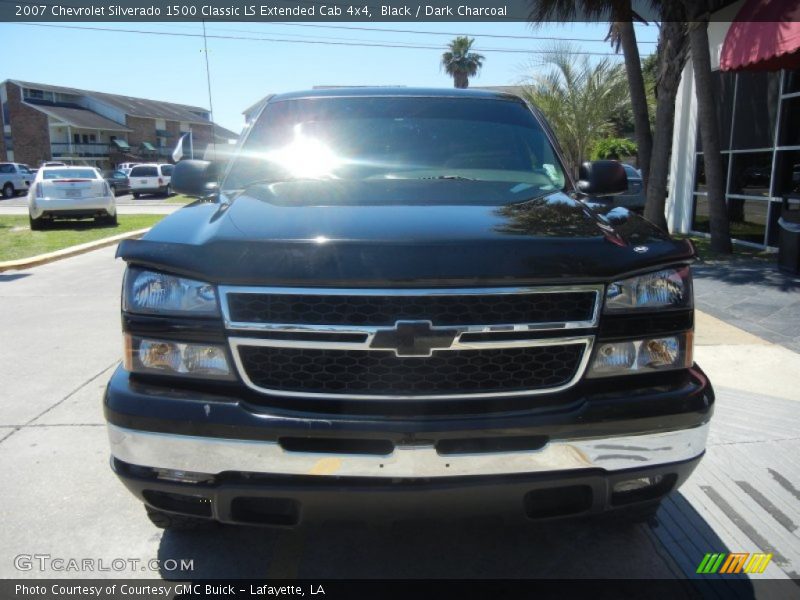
{"x": 307, "y": 10}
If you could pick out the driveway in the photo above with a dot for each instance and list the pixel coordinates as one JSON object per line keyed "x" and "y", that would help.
{"x": 61, "y": 341}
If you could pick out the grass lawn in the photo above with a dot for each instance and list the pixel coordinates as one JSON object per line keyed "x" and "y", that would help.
{"x": 18, "y": 241}
{"x": 179, "y": 199}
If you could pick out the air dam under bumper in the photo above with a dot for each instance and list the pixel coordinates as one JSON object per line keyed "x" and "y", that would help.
{"x": 218, "y": 455}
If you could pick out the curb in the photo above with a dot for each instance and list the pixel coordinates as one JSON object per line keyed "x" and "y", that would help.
{"x": 43, "y": 259}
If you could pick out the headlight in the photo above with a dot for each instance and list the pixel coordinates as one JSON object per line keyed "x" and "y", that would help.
{"x": 144, "y": 355}
{"x": 668, "y": 288}
{"x": 150, "y": 292}
{"x": 642, "y": 356}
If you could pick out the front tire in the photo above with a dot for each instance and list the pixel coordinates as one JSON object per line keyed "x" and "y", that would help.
{"x": 168, "y": 191}
{"x": 136, "y": 195}
{"x": 8, "y": 190}
{"x": 165, "y": 520}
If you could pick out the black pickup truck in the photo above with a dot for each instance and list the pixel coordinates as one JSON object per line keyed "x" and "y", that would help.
{"x": 398, "y": 301}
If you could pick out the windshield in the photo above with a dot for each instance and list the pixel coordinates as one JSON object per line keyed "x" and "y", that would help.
{"x": 374, "y": 138}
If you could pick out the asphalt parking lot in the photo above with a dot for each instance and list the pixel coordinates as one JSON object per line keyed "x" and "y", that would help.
{"x": 59, "y": 326}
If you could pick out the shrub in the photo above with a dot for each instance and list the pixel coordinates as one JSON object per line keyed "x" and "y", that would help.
{"x": 613, "y": 148}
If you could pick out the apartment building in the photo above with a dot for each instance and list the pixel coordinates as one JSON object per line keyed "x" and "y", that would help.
{"x": 46, "y": 122}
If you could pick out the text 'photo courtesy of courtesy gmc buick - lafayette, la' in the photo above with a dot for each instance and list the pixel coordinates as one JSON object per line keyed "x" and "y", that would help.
{"x": 398, "y": 303}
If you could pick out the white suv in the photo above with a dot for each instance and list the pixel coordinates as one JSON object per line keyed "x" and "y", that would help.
{"x": 151, "y": 178}
{"x": 14, "y": 178}
{"x": 70, "y": 192}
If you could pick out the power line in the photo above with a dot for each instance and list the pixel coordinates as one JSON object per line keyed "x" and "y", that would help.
{"x": 518, "y": 37}
{"x": 476, "y": 35}
{"x": 318, "y": 42}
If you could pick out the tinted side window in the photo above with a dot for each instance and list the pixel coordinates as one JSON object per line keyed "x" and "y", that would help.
{"x": 6, "y": 169}
{"x": 166, "y": 170}
{"x": 144, "y": 172}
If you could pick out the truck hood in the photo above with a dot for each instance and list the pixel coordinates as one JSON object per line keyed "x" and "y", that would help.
{"x": 402, "y": 232}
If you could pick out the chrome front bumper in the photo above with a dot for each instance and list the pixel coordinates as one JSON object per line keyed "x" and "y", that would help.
{"x": 217, "y": 455}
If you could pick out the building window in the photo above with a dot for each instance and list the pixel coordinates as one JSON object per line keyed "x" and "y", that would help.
{"x": 748, "y": 219}
{"x": 751, "y": 174}
{"x": 754, "y": 108}
{"x": 701, "y": 214}
{"x": 787, "y": 173}
{"x": 6, "y": 114}
{"x": 700, "y": 171}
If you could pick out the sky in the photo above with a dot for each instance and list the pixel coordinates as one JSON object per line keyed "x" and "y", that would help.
{"x": 172, "y": 67}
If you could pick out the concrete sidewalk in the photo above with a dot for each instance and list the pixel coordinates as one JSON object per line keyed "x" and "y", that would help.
{"x": 736, "y": 359}
{"x": 753, "y": 295}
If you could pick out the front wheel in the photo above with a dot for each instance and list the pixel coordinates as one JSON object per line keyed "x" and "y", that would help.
{"x": 168, "y": 191}
{"x": 165, "y": 520}
{"x": 136, "y": 196}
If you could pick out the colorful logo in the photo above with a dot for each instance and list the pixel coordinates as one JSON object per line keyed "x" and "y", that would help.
{"x": 735, "y": 562}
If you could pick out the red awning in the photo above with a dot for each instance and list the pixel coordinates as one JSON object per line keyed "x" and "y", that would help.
{"x": 765, "y": 36}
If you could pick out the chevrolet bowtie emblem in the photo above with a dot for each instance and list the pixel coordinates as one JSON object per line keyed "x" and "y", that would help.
{"x": 413, "y": 338}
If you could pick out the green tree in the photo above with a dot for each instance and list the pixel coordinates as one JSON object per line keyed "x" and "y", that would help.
{"x": 578, "y": 98}
{"x": 460, "y": 62}
{"x": 621, "y": 33}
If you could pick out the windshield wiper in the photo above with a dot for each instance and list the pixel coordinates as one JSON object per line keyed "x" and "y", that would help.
{"x": 451, "y": 177}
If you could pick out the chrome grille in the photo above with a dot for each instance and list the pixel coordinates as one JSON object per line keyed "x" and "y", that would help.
{"x": 384, "y": 311}
{"x": 410, "y": 344}
{"x": 361, "y": 372}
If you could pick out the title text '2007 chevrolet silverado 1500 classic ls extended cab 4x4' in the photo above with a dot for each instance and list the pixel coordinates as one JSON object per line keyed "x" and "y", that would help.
{"x": 398, "y": 302}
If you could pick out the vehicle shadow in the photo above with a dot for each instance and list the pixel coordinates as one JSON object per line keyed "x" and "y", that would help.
{"x": 13, "y": 276}
{"x": 79, "y": 225}
{"x": 744, "y": 271}
{"x": 668, "y": 547}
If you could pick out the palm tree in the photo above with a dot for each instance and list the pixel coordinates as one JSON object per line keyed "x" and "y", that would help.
{"x": 670, "y": 59}
{"x": 621, "y": 15}
{"x": 460, "y": 63}
{"x": 709, "y": 132}
{"x": 578, "y": 98}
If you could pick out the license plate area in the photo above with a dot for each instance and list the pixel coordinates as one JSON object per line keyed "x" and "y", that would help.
{"x": 72, "y": 193}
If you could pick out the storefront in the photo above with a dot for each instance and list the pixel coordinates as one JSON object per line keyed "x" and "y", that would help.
{"x": 758, "y": 115}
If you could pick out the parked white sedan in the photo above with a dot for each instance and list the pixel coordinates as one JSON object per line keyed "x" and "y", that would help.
{"x": 70, "y": 192}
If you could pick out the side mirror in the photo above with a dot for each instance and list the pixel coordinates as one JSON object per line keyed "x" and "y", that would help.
{"x": 196, "y": 178}
{"x": 602, "y": 178}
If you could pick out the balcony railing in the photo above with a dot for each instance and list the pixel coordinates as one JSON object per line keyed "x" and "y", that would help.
{"x": 100, "y": 150}
{"x": 60, "y": 149}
